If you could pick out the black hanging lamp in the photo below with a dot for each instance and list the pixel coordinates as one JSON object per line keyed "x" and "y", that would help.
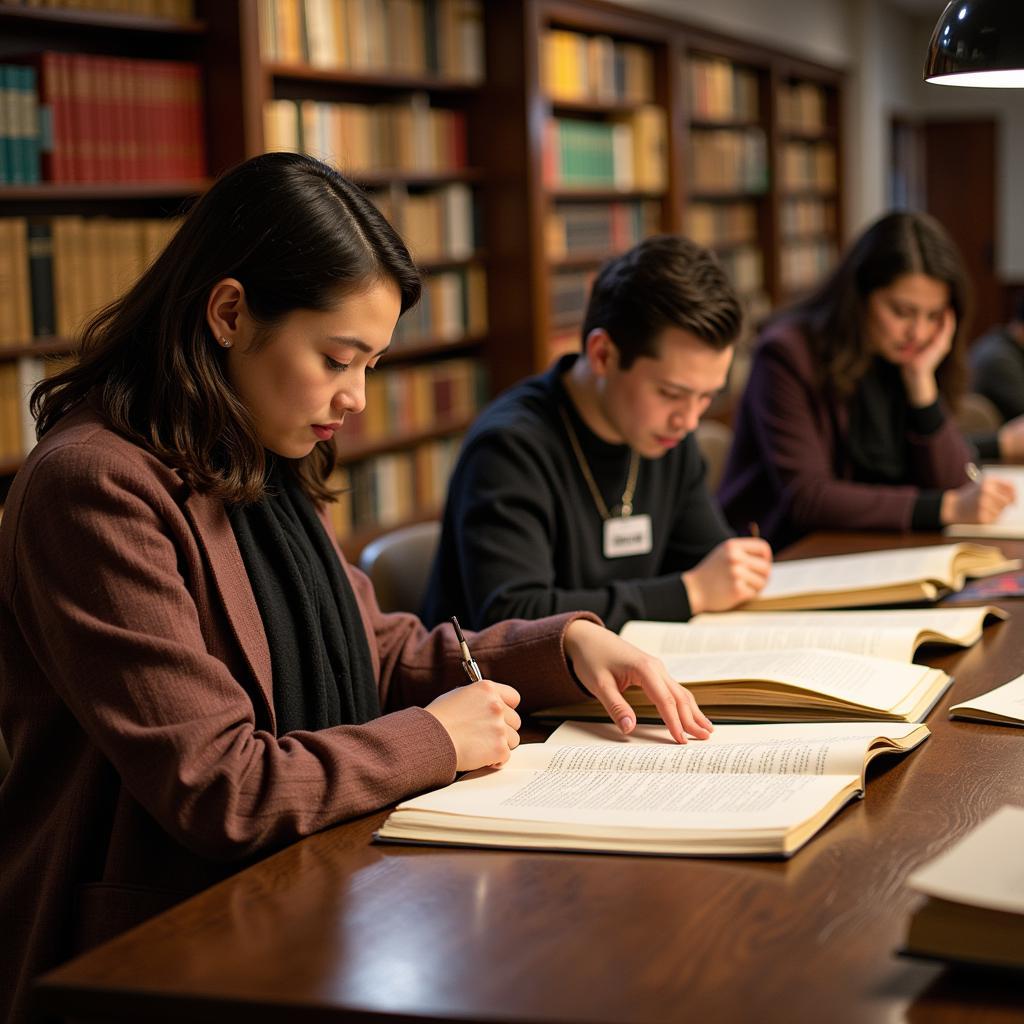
{"x": 978, "y": 43}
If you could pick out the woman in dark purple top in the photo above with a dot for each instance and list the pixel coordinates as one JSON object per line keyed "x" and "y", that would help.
{"x": 844, "y": 423}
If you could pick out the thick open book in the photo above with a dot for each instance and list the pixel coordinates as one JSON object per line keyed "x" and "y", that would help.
{"x": 975, "y": 907}
{"x": 1010, "y": 524}
{"x": 800, "y": 685}
{"x": 754, "y": 790}
{"x": 898, "y": 576}
{"x": 1003, "y": 705}
{"x": 892, "y": 633}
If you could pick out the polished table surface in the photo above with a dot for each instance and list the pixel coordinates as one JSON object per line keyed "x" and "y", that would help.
{"x": 340, "y": 928}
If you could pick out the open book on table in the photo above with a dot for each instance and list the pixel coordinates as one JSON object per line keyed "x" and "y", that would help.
{"x": 800, "y": 685}
{"x": 897, "y": 576}
{"x": 1004, "y": 705}
{"x": 975, "y": 907}
{"x": 890, "y": 633}
{"x": 756, "y": 790}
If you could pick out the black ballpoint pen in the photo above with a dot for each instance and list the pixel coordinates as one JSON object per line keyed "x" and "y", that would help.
{"x": 469, "y": 666}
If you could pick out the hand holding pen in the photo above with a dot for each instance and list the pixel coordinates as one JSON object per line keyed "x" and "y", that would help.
{"x": 480, "y": 718}
{"x": 981, "y": 500}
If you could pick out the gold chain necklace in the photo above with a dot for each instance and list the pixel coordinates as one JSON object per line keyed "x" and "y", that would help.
{"x": 626, "y": 508}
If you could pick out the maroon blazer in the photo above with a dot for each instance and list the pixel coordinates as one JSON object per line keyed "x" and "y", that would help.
{"x": 136, "y": 699}
{"x": 789, "y": 468}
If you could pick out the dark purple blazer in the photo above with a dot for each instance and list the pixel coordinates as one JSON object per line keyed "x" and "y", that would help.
{"x": 789, "y": 469}
{"x": 136, "y": 699}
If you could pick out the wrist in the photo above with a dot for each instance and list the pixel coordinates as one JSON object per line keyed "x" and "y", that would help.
{"x": 947, "y": 508}
{"x": 694, "y": 594}
{"x": 922, "y": 391}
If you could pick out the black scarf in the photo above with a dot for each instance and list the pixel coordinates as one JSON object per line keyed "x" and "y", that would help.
{"x": 323, "y": 675}
{"x": 878, "y": 426}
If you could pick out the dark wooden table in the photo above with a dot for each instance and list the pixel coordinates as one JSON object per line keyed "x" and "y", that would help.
{"x": 339, "y": 928}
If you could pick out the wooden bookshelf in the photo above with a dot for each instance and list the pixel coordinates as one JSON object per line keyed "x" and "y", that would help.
{"x": 539, "y": 235}
{"x": 721, "y": 172}
{"x": 727, "y": 132}
{"x": 126, "y": 195}
{"x": 808, "y": 169}
{"x": 354, "y": 93}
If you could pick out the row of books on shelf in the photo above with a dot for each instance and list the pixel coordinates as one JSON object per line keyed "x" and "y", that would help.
{"x": 83, "y": 118}
{"x": 729, "y": 160}
{"x": 56, "y": 271}
{"x": 435, "y": 223}
{"x": 745, "y": 267}
{"x": 722, "y": 91}
{"x": 452, "y": 306}
{"x": 413, "y": 37}
{"x": 808, "y": 215}
{"x": 804, "y": 262}
{"x": 20, "y": 140}
{"x": 409, "y": 136}
{"x": 570, "y": 290}
{"x": 808, "y": 165}
{"x": 179, "y": 10}
{"x": 629, "y": 152}
{"x": 596, "y": 68}
{"x": 714, "y": 224}
{"x": 417, "y": 398}
{"x": 802, "y": 107}
{"x": 17, "y": 378}
{"x": 388, "y": 490}
{"x": 586, "y": 228}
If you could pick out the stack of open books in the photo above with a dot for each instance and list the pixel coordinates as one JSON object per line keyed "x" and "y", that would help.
{"x": 769, "y": 665}
{"x": 844, "y": 683}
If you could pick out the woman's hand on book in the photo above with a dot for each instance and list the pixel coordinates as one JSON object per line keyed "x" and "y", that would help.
{"x": 481, "y": 720}
{"x": 606, "y": 665}
{"x": 733, "y": 572}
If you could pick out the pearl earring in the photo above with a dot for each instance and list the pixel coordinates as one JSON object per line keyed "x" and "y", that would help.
{"x": 225, "y": 343}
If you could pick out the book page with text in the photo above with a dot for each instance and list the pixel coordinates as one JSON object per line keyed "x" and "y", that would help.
{"x": 643, "y": 789}
{"x": 878, "y": 683}
{"x": 865, "y": 569}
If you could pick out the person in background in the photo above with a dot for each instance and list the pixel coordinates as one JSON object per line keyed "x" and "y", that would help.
{"x": 845, "y": 420}
{"x": 583, "y": 487}
{"x": 997, "y": 372}
{"x": 191, "y": 675}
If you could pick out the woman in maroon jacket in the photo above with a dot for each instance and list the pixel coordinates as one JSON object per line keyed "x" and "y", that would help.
{"x": 190, "y": 674}
{"x": 845, "y": 421}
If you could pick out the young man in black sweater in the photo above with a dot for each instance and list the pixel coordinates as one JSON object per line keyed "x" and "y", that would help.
{"x": 583, "y": 487}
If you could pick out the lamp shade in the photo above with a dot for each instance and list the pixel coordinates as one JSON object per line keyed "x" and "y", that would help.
{"x": 978, "y": 43}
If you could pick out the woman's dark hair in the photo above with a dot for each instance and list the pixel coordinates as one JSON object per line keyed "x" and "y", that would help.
{"x": 665, "y": 281}
{"x": 834, "y": 316}
{"x": 297, "y": 235}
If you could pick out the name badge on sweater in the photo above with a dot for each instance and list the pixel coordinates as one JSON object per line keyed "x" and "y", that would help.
{"x": 627, "y": 535}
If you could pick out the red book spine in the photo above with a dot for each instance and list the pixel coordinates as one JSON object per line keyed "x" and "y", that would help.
{"x": 101, "y": 94}
{"x": 195, "y": 123}
{"x": 135, "y": 117}
{"x": 147, "y": 129}
{"x": 53, "y": 108}
{"x": 162, "y": 83}
{"x": 76, "y": 117}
